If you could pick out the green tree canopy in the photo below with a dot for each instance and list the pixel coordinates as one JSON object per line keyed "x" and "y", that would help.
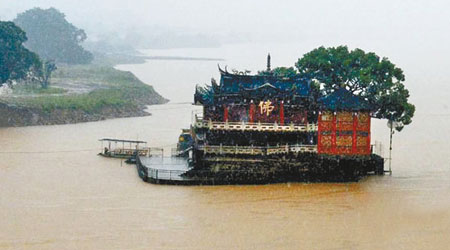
{"x": 367, "y": 75}
{"x": 16, "y": 62}
{"x": 280, "y": 72}
{"x": 53, "y": 37}
{"x": 284, "y": 72}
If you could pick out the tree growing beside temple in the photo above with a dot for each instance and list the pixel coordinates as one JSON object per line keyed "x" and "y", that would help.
{"x": 281, "y": 72}
{"x": 52, "y": 37}
{"x": 375, "y": 79}
{"x": 284, "y": 72}
{"x": 16, "y": 61}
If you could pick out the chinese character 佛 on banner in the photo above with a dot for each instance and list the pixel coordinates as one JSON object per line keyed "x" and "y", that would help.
{"x": 266, "y": 107}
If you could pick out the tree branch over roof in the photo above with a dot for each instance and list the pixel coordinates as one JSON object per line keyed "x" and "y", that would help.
{"x": 366, "y": 75}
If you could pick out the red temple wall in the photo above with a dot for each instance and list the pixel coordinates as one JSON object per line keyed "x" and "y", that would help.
{"x": 344, "y": 133}
{"x": 254, "y": 112}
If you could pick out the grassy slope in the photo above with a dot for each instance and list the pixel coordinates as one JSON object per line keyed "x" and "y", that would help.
{"x": 23, "y": 90}
{"x": 107, "y": 86}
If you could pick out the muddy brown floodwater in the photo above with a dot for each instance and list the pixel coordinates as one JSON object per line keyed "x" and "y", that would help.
{"x": 56, "y": 193}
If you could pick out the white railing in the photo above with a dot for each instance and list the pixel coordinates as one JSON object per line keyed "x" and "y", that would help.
{"x": 247, "y": 126}
{"x": 377, "y": 148}
{"x": 127, "y": 152}
{"x": 175, "y": 152}
{"x": 155, "y": 151}
{"x": 251, "y": 150}
{"x": 165, "y": 174}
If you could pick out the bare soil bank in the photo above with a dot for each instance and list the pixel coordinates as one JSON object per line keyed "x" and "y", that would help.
{"x": 15, "y": 116}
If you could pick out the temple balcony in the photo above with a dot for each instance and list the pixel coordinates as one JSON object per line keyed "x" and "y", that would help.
{"x": 255, "y": 126}
{"x": 250, "y": 150}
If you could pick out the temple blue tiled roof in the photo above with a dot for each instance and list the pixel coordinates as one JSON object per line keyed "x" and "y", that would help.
{"x": 253, "y": 87}
{"x": 234, "y": 84}
{"x": 342, "y": 99}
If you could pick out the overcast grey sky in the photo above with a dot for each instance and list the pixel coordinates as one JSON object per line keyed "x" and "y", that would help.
{"x": 262, "y": 19}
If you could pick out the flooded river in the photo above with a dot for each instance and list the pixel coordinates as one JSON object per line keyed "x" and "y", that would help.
{"x": 56, "y": 193}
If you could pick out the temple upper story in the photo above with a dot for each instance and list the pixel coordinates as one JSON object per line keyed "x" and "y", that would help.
{"x": 237, "y": 88}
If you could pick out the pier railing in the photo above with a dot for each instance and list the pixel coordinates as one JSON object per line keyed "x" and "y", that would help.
{"x": 154, "y": 151}
{"x": 250, "y": 150}
{"x": 161, "y": 152}
{"x": 126, "y": 152}
{"x": 165, "y": 174}
{"x": 255, "y": 126}
{"x": 180, "y": 153}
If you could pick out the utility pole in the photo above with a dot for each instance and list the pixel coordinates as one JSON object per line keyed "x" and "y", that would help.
{"x": 391, "y": 124}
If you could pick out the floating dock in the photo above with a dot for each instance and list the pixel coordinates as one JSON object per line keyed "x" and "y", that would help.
{"x": 160, "y": 169}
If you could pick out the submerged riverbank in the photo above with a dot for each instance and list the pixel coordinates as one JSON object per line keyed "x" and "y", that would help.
{"x": 79, "y": 93}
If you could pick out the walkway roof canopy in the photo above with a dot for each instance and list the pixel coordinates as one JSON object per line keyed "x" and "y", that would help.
{"x": 118, "y": 140}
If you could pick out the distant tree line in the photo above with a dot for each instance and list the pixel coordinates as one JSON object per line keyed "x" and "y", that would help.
{"x": 52, "y": 37}
{"x": 35, "y": 42}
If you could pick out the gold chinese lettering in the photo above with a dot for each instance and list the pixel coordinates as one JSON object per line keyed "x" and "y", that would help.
{"x": 266, "y": 107}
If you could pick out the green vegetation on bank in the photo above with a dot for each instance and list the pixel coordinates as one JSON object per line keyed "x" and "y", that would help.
{"x": 96, "y": 75}
{"x": 91, "y": 102}
{"x": 90, "y": 88}
{"x": 29, "y": 89}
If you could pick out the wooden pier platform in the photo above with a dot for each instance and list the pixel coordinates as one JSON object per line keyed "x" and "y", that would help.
{"x": 168, "y": 170}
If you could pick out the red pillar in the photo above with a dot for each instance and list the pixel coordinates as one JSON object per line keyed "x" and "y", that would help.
{"x": 251, "y": 112}
{"x": 281, "y": 113}
{"x": 355, "y": 133}
{"x": 225, "y": 113}
{"x": 333, "y": 135}
{"x": 319, "y": 134}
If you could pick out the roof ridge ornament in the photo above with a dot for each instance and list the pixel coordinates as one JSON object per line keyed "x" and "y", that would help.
{"x": 268, "y": 62}
{"x": 223, "y": 71}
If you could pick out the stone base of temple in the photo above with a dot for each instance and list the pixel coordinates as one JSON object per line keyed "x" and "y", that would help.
{"x": 301, "y": 167}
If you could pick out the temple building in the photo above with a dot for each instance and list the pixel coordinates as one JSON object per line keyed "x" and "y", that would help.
{"x": 286, "y": 121}
{"x": 266, "y": 111}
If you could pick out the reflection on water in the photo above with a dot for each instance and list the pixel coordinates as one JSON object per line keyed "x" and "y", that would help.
{"x": 55, "y": 192}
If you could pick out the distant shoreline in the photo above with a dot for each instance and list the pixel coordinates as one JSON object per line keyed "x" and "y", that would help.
{"x": 181, "y": 58}
{"x": 115, "y": 59}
